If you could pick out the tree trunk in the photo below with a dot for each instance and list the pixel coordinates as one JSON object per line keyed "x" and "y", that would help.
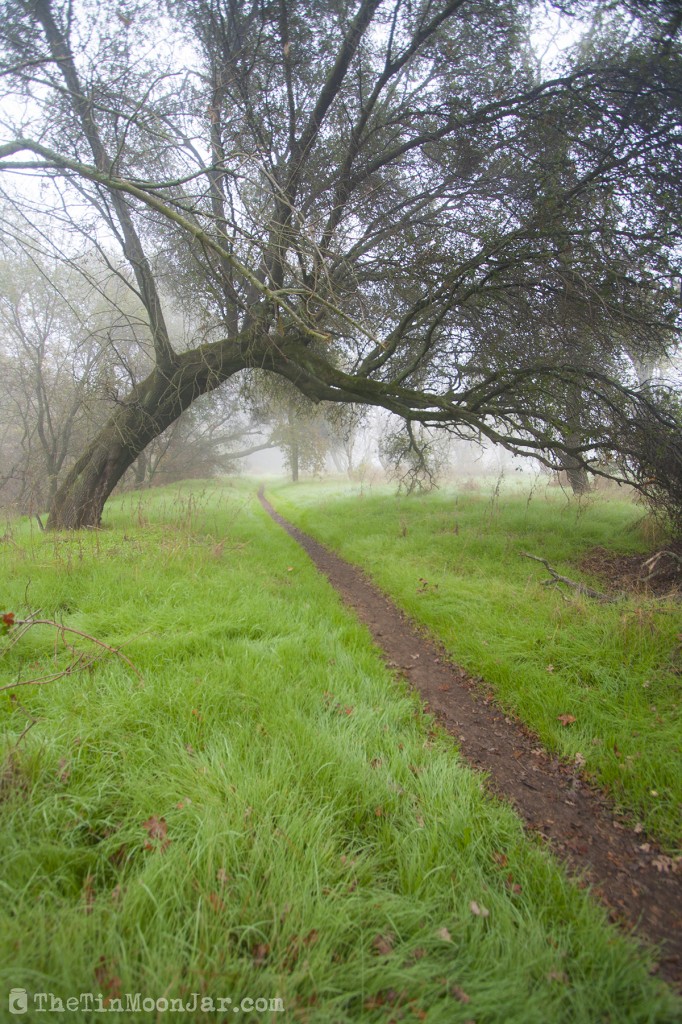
{"x": 577, "y": 475}
{"x": 148, "y": 410}
{"x": 140, "y": 470}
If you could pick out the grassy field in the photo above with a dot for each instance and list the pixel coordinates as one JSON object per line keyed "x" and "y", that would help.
{"x": 266, "y": 815}
{"x": 454, "y": 562}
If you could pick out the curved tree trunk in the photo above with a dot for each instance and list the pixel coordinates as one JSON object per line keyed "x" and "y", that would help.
{"x": 147, "y": 411}
{"x": 576, "y": 474}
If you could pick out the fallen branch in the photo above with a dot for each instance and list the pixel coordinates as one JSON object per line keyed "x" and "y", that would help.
{"x": 557, "y": 578}
{"x": 81, "y": 659}
{"x": 652, "y": 563}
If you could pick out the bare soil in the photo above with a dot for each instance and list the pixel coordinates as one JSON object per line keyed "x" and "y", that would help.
{"x": 657, "y": 574}
{"x": 626, "y": 871}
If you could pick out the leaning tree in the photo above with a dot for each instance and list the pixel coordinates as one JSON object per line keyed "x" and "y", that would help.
{"x": 385, "y": 202}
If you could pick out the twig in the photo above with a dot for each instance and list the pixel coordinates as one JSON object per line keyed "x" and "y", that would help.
{"x": 558, "y": 578}
{"x": 77, "y": 632}
{"x": 652, "y": 562}
{"x": 81, "y": 660}
{"x": 32, "y": 721}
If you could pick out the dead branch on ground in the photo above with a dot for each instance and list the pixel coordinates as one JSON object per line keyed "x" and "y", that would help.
{"x": 557, "y": 579}
{"x": 652, "y": 564}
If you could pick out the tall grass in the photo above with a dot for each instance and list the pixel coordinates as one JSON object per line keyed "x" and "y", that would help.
{"x": 454, "y": 562}
{"x": 268, "y": 815}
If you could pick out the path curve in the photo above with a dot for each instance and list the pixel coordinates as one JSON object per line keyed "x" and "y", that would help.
{"x": 625, "y": 870}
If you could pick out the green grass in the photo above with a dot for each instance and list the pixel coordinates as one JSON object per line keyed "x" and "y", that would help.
{"x": 269, "y": 815}
{"x": 453, "y": 561}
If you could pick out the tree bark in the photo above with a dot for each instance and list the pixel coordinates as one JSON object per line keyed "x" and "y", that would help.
{"x": 147, "y": 411}
{"x": 576, "y": 474}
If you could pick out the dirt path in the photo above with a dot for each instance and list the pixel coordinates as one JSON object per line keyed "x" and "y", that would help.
{"x": 626, "y": 871}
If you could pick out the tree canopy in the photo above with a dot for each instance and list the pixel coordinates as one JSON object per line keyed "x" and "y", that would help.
{"x": 400, "y": 204}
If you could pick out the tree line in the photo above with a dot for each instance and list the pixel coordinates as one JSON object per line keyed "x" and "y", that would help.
{"x": 399, "y": 204}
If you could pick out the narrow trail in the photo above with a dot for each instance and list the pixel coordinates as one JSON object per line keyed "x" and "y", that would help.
{"x": 626, "y": 871}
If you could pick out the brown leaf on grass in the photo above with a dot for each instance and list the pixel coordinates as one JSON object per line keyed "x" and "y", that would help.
{"x": 156, "y": 828}
{"x": 383, "y": 944}
{"x": 63, "y": 770}
{"x": 388, "y": 997}
{"x": 444, "y": 934}
{"x": 566, "y": 719}
{"x": 311, "y": 938}
{"x": 501, "y": 859}
{"x": 108, "y": 982}
{"x": 459, "y": 994}
{"x": 222, "y": 876}
{"x": 216, "y": 902}
{"x": 550, "y": 668}
{"x": 119, "y": 856}
{"x": 260, "y": 953}
{"x": 478, "y": 910}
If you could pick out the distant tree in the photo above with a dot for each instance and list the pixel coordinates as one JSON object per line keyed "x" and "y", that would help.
{"x": 367, "y": 199}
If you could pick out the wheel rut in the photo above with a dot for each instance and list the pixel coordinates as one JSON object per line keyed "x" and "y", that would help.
{"x": 626, "y": 871}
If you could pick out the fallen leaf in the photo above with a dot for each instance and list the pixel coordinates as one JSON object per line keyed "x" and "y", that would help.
{"x": 459, "y": 994}
{"x": 550, "y": 668}
{"x": 566, "y": 719}
{"x": 156, "y": 827}
{"x": 666, "y": 864}
{"x": 383, "y": 944}
{"x": 259, "y": 953}
{"x": 108, "y": 983}
{"x": 580, "y": 760}
{"x": 501, "y": 859}
{"x": 216, "y": 902}
{"x": 222, "y": 876}
{"x": 478, "y": 910}
{"x": 444, "y": 934}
